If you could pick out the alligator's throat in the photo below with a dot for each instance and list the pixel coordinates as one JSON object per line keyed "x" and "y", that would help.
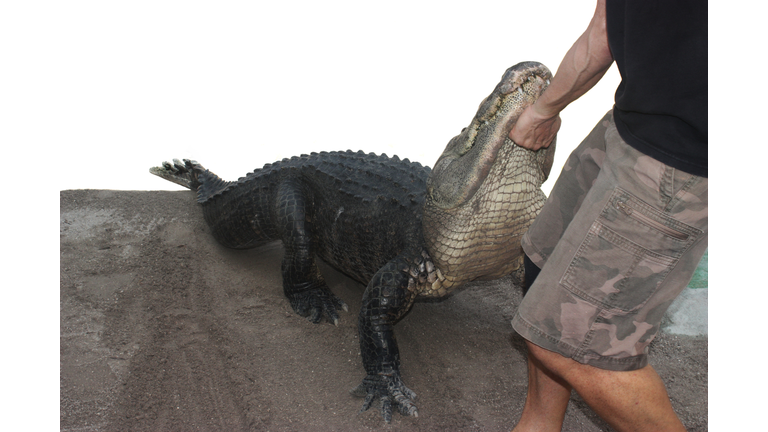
{"x": 484, "y": 191}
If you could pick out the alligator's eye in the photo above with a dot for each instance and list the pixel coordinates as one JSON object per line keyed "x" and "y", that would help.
{"x": 462, "y": 131}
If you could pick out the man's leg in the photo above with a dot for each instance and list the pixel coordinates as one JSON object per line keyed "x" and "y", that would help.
{"x": 617, "y": 240}
{"x": 546, "y": 401}
{"x": 628, "y": 401}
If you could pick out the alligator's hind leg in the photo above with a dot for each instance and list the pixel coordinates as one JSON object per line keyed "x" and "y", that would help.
{"x": 182, "y": 173}
{"x": 302, "y": 282}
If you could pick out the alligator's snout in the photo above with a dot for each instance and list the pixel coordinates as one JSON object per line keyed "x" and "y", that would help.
{"x": 469, "y": 156}
{"x": 525, "y": 78}
{"x": 484, "y": 191}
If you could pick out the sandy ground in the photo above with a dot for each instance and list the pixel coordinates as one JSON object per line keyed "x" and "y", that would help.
{"x": 162, "y": 329}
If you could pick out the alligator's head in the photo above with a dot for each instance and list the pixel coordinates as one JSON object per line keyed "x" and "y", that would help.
{"x": 484, "y": 190}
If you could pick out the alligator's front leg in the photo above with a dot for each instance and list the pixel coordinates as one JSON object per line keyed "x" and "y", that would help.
{"x": 388, "y": 297}
{"x": 303, "y": 284}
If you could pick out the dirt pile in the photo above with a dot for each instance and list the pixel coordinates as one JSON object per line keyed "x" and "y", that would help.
{"x": 162, "y": 329}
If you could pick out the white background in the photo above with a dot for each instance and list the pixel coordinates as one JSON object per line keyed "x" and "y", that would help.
{"x": 114, "y": 89}
{"x": 93, "y": 93}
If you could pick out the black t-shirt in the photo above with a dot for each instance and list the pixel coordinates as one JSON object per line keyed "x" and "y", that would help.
{"x": 660, "y": 48}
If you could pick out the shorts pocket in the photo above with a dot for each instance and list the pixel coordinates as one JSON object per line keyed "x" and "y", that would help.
{"x": 627, "y": 253}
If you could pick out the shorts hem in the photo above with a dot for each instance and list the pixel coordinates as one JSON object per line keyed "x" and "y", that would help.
{"x": 550, "y": 343}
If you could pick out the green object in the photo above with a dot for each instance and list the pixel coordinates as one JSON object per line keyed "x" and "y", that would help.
{"x": 700, "y": 276}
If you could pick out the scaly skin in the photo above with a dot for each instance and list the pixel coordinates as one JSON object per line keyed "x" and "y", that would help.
{"x": 485, "y": 191}
{"x": 397, "y": 227}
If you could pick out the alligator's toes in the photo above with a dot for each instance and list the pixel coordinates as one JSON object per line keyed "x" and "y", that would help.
{"x": 369, "y": 398}
{"x": 405, "y": 403}
{"x": 300, "y": 305}
{"x": 340, "y": 304}
{"x": 167, "y": 166}
{"x": 386, "y": 409}
{"x": 179, "y": 166}
{"x": 192, "y": 164}
{"x": 390, "y": 392}
{"x": 405, "y": 392}
{"x": 362, "y": 391}
{"x": 331, "y": 305}
{"x": 324, "y": 306}
{"x": 405, "y": 406}
{"x": 315, "y": 316}
{"x": 316, "y": 303}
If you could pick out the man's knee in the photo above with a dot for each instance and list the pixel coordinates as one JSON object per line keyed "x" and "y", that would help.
{"x": 579, "y": 375}
{"x": 551, "y": 360}
{"x": 560, "y": 366}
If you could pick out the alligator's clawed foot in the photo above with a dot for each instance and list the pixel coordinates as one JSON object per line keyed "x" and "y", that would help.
{"x": 315, "y": 302}
{"x": 390, "y": 391}
{"x": 181, "y": 173}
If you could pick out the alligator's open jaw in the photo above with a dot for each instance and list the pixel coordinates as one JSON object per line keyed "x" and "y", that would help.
{"x": 468, "y": 158}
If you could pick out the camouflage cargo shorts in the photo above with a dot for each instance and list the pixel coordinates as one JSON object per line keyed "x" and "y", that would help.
{"x": 617, "y": 241}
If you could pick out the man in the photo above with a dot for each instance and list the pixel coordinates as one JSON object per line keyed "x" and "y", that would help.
{"x": 626, "y": 222}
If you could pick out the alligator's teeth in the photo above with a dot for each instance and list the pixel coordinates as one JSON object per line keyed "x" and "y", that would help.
{"x": 422, "y": 278}
{"x": 547, "y": 82}
{"x": 520, "y": 90}
{"x": 414, "y": 272}
{"x": 411, "y": 285}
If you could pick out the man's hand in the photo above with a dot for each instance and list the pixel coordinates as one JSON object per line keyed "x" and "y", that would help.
{"x": 533, "y": 130}
{"x": 582, "y": 67}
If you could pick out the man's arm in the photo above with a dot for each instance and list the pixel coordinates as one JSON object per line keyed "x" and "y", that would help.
{"x": 582, "y": 67}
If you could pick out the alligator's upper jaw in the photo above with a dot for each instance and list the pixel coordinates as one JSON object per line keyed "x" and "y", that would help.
{"x": 468, "y": 158}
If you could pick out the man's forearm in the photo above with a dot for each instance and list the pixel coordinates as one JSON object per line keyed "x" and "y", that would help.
{"x": 582, "y": 67}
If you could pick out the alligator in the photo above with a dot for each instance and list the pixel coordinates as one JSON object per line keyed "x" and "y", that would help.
{"x": 403, "y": 230}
